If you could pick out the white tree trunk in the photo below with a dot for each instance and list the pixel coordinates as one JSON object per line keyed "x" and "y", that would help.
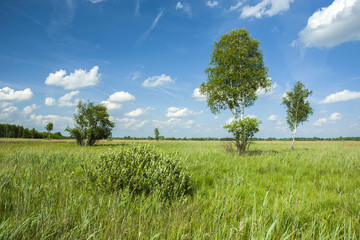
{"x": 242, "y": 111}
{"x": 293, "y": 135}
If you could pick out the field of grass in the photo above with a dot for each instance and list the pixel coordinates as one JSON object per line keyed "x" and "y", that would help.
{"x": 272, "y": 192}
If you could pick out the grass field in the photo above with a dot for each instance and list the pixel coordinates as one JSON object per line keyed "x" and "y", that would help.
{"x": 272, "y": 192}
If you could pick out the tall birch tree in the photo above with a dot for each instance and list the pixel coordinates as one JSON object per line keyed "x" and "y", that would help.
{"x": 298, "y": 108}
{"x": 236, "y": 71}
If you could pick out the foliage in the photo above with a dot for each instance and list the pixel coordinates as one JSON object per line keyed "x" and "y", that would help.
{"x": 236, "y": 72}
{"x": 18, "y": 131}
{"x": 92, "y": 123}
{"x": 243, "y": 131}
{"x": 298, "y": 108}
{"x": 156, "y": 133}
{"x": 49, "y": 127}
{"x": 141, "y": 169}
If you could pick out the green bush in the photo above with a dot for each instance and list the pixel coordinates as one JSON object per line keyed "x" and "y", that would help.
{"x": 140, "y": 169}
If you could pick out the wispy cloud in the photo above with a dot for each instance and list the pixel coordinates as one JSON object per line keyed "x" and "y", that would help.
{"x": 145, "y": 35}
{"x": 184, "y": 7}
{"x": 331, "y": 119}
{"x": 212, "y": 4}
{"x": 263, "y": 8}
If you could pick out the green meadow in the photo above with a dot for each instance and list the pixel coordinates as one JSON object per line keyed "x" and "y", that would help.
{"x": 272, "y": 192}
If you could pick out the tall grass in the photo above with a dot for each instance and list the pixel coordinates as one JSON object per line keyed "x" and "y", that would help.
{"x": 270, "y": 193}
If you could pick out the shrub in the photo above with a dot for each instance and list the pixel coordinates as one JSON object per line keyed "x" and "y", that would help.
{"x": 140, "y": 169}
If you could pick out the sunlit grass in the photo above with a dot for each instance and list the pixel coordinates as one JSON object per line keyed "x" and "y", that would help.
{"x": 270, "y": 193}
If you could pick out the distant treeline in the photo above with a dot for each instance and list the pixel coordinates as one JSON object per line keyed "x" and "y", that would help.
{"x": 232, "y": 139}
{"x": 17, "y": 131}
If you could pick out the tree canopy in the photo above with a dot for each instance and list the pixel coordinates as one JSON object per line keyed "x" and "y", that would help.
{"x": 92, "y": 123}
{"x": 236, "y": 71}
{"x": 297, "y": 107}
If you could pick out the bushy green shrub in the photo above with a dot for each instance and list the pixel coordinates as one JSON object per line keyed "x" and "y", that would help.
{"x": 141, "y": 169}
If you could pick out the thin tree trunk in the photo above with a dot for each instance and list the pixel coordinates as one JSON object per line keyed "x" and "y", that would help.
{"x": 242, "y": 111}
{"x": 293, "y": 135}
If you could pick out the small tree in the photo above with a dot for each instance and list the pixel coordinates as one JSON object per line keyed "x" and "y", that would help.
{"x": 92, "y": 123}
{"x": 49, "y": 127}
{"x": 236, "y": 71}
{"x": 298, "y": 109}
{"x": 156, "y": 132}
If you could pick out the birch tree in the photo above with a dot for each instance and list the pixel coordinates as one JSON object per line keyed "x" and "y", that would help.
{"x": 236, "y": 71}
{"x": 298, "y": 108}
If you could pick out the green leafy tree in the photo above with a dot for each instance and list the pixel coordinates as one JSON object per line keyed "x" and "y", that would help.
{"x": 156, "y": 133}
{"x": 92, "y": 123}
{"x": 235, "y": 74}
{"x": 49, "y": 127}
{"x": 298, "y": 108}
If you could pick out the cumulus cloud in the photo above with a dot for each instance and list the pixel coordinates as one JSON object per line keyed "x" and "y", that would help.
{"x": 67, "y": 99}
{"x": 29, "y": 109}
{"x": 273, "y": 118}
{"x": 268, "y": 91}
{"x": 10, "y": 109}
{"x": 174, "y": 122}
{"x": 130, "y": 123}
{"x": 116, "y": 100}
{"x": 50, "y": 101}
{"x": 331, "y": 119}
{"x": 345, "y": 95}
{"x": 175, "y": 112}
{"x": 78, "y": 79}
{"x": 198, "y": 96}
{"x": 138, "y": 112}
{"x": 9, "y": 96}
{"x": 58, "y": 121}
{"x": 212, "y": 4}
{"x": 333, "y": 25}
{"x": 265, "y": 7}
{"x": 157, "y": 81}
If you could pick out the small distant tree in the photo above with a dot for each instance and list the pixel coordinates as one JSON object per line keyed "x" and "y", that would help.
{"x": 49, "y": 127}
{"x": 92, "y": 123}
{"x": 156, "y": 133}
{"x": 297, "y": 107}
{"x": 236, "y": 72}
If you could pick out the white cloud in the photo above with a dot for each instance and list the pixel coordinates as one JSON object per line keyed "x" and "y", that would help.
{"x": 96, "y": 1}
{"x": 179, "y": 6}
{"x": 29, "y": 109}
{"x": 78, "y": 79}
{"x": 265, "y": 7}
{"x": 58, "y": 121}
{"x": 10, "y": 109}
{"x": 333, "y": 25}
{"x": 198, "y": 96}
{"x": 273, "y": 118}
{"x": 345, "y": 95}
{"x": 178, "y": 112}
{"x": 230, "y": 120}
{"x": 144, "y": 36}
{"x": 138, "y": 112}
{"x": 9, "y": 96}
{"x": 184, "y": 7}
{"x": 335, "y": 116}
{"x": 268, "y": 91}
{"x": 237, "y": 6}
{"x": 156, "y": 81}
{"x": 332, "y": 119}
{"x": 130, "y": 123}
{"x": 67, "y": 99}
{"x": 116, "y": 100}
{"x": 212, "y": 4}
{"x": 50, "y": 101}
{"x": 174, "y": 122}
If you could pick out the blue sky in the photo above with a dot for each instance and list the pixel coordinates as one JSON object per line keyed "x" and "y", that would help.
{"x": 145, "y": 59}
